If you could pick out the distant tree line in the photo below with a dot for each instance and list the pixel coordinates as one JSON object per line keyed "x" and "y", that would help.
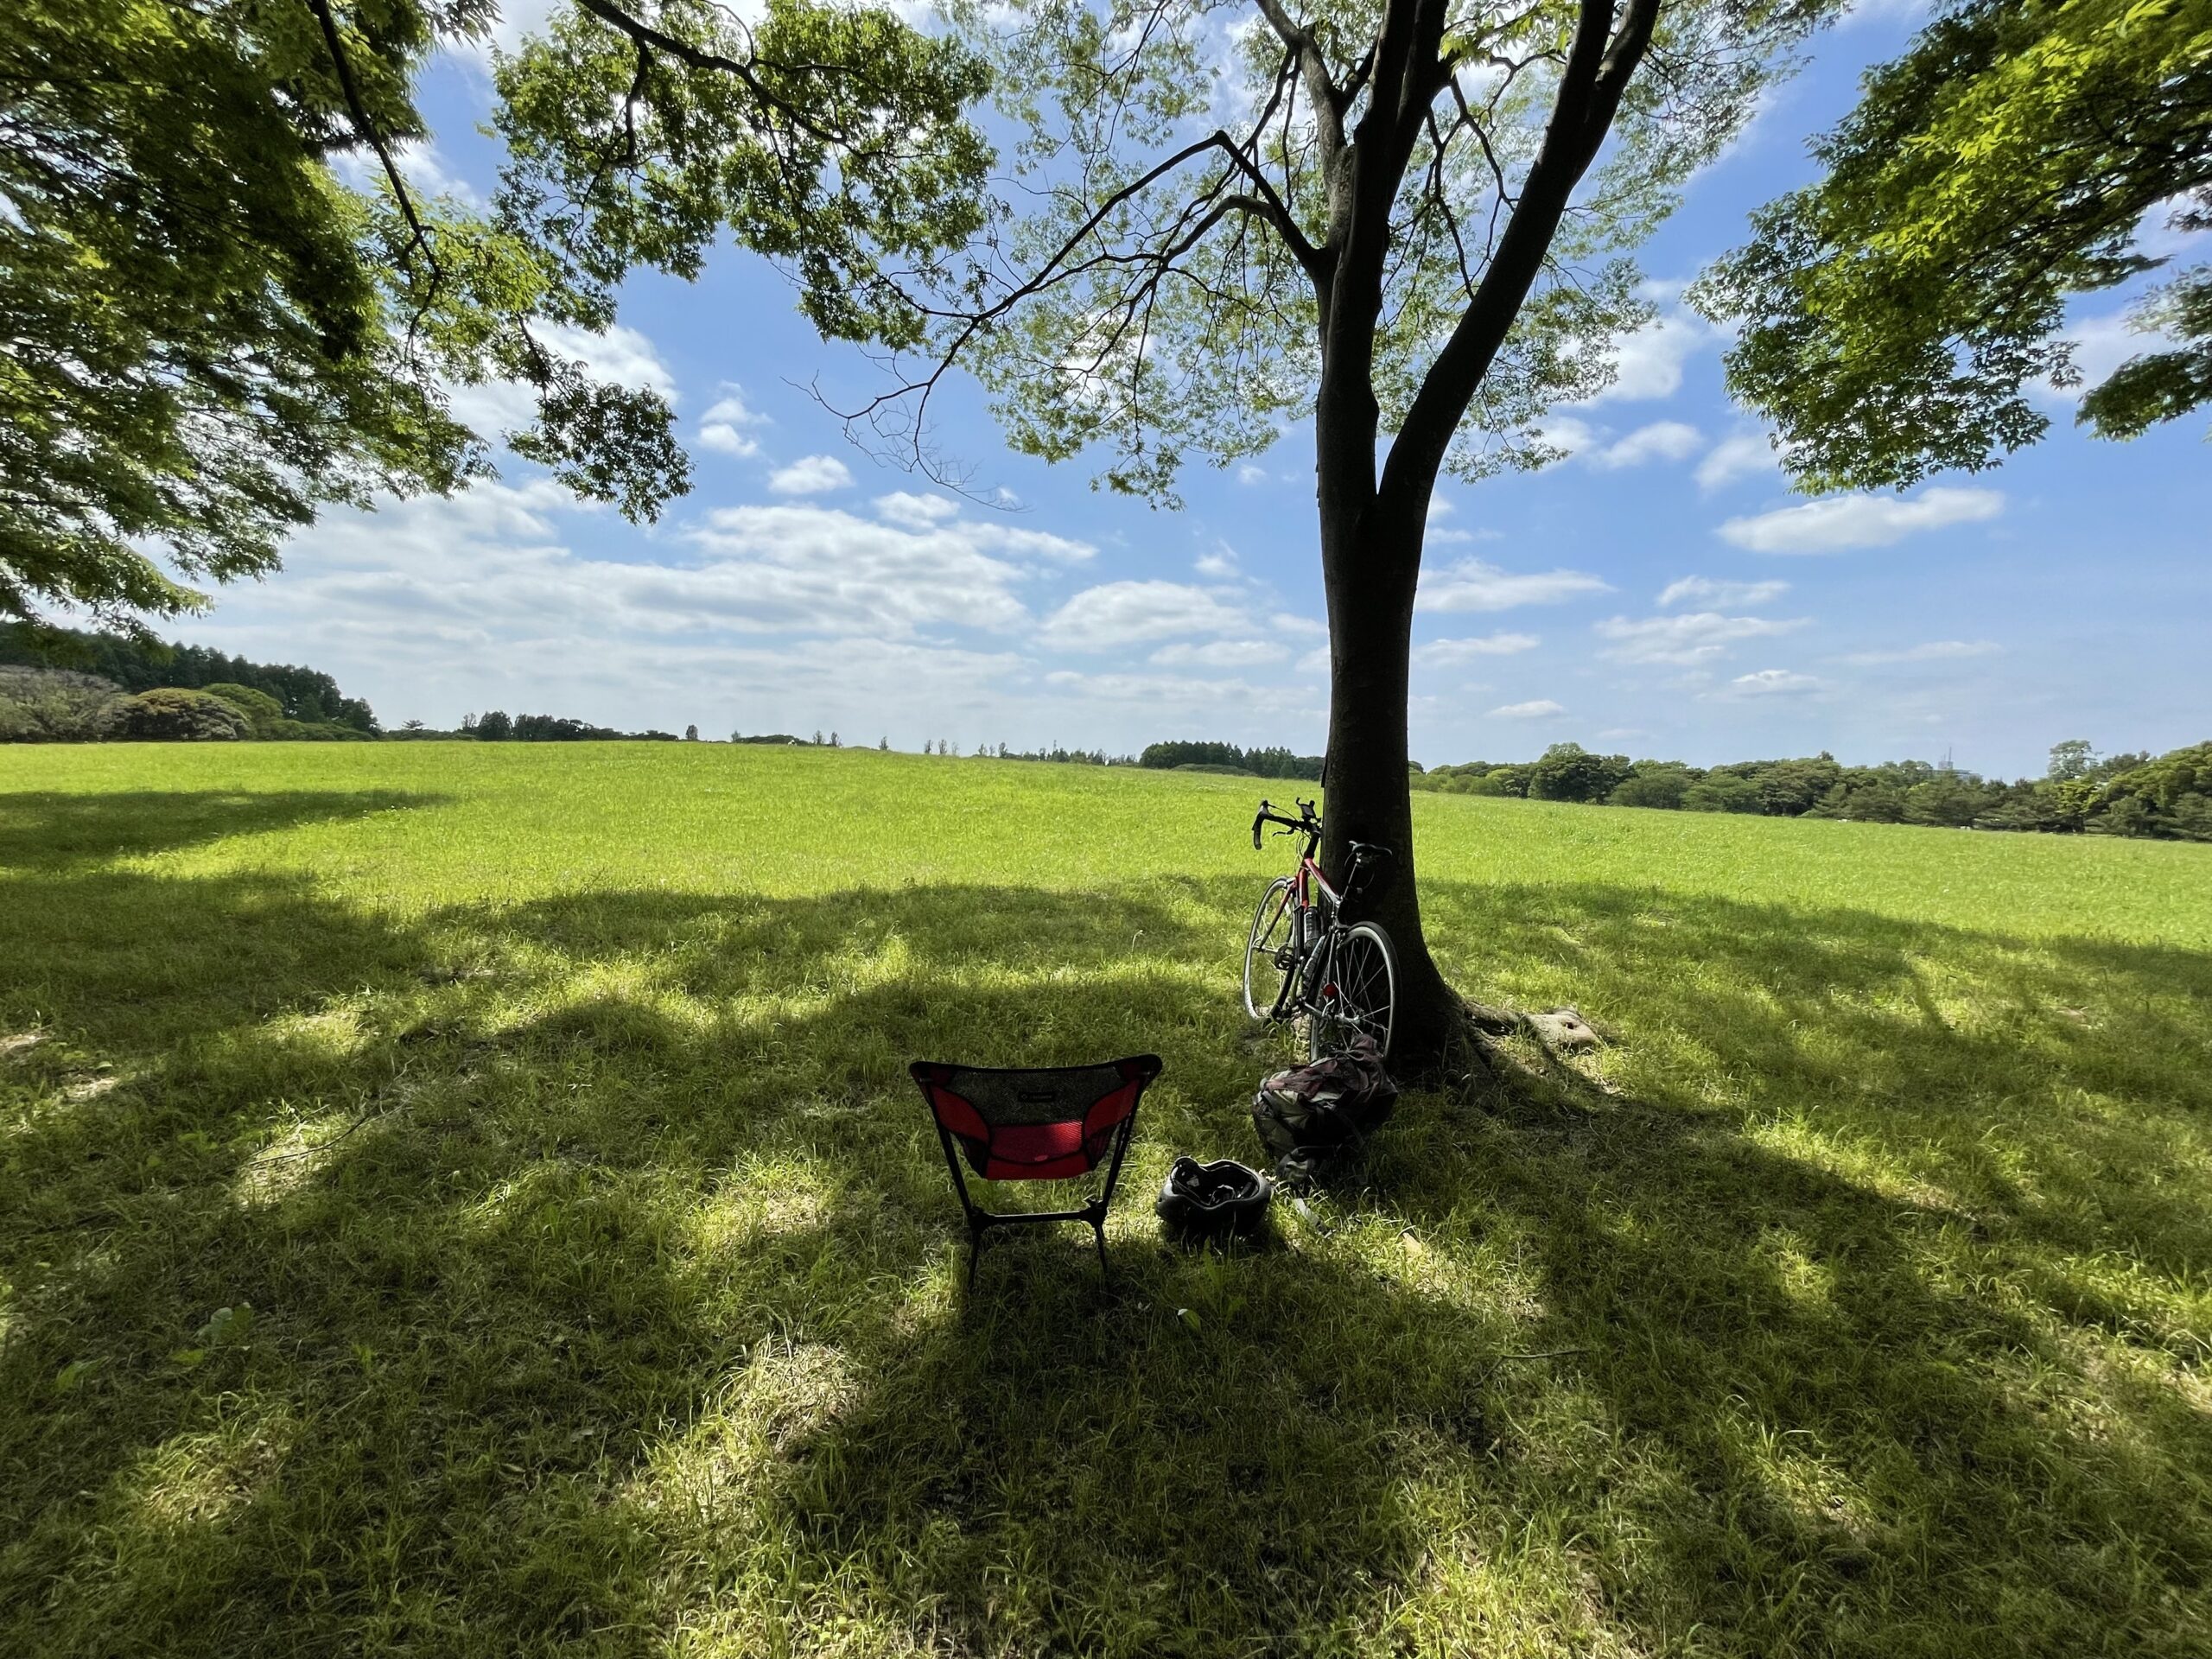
{"x": 305, "y": 695}
{"x": 1228, "y": 758}
{"x": 496, "y": 726}
{"x": 2132, "y": 794}
{"x": 1057, "y": 756}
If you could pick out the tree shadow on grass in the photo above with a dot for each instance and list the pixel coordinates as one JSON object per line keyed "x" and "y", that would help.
{"x": 51, "y": 830}
{"x": 1895, "y": 1261}
{"x": 606, "y": 1282}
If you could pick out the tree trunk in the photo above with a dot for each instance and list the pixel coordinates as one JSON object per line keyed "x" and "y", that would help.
{"x": 1370, "y": 570}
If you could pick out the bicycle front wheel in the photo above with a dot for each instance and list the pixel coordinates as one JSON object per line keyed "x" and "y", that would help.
{"x": 1269, "y": 956}
{"x": 1358, "y": 996}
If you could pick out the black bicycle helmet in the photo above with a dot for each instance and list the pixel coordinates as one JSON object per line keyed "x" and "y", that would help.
{"x": 1200, "y": 1201}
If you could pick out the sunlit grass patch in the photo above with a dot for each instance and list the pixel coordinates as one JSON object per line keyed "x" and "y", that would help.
{"x": 505, "y": 1224}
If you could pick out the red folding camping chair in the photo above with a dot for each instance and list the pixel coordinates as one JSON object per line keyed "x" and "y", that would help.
{"x": 1035, "y": 1125}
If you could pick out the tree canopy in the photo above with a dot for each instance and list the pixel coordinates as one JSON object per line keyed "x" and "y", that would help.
{"x": 225, "y": 306}
{"x": 1897, "y": 313}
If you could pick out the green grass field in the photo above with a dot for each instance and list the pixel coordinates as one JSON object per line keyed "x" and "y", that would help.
{"x": 546, "y": 1107}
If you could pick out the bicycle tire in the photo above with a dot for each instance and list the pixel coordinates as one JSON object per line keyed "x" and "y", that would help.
{"x": 1271, "y": 937}
{"x": 1359, "y": 996}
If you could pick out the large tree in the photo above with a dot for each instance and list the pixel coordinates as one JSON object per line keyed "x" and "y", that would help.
{"x": 1404, "y": 219}
{"x": 222, "y": 305}
{"x": 1895, "y": 313}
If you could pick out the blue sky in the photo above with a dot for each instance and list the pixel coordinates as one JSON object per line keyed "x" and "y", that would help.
{"x": 1660, "y": 592}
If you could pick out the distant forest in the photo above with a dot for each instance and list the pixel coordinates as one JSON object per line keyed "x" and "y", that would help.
{"x": 304, "y": 694}
{"x": 1227, "y": 757}
{"x": 2169, "y": 796}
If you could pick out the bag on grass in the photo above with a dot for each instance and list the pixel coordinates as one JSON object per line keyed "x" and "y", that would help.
{"x": 1310, "y": 1113}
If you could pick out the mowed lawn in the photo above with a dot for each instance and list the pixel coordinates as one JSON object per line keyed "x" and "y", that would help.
{"x": 539, "y": 1115}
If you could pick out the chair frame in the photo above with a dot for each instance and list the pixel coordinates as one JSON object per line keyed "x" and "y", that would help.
{"x": 1092, "y": 1214}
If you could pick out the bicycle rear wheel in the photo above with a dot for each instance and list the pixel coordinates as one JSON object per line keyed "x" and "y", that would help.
{"x": 1269, "y": 958}
{"x": 1358, "y": 995}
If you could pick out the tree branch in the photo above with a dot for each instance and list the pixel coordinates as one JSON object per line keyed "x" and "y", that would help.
{"x": 1596, "y": 75}
{"x": 418, "y": 233}
{"x": 644, "y": 33}
{"x": 1059, "y": 266}
{"x": 1329, "y": 100}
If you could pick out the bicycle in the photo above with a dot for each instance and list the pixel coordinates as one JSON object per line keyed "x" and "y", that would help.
{"x": 1302, "y": 960}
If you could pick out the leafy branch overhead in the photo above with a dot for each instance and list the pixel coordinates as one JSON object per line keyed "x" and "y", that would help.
{"x": 1898, "y": 313}
{"x": 1204, "y": 206}
{"x": 212, "y": 331}
{"x": 227, "y": 305}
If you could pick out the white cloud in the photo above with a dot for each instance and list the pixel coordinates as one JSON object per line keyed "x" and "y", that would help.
{"x": 2161, "y": 234}
{"x": 1220, "y": 653}
{"x": 1660, "y": 440}
{"x": 515, "y": 19}
{"x": 1649, "y": 361}
{"x": 622, "y": 354}
{"x": 1710, "y": 592}
{"x": 1769, "y": 683}
{"x": 1220, "y": 562}
{"x": 1028, "y": 543}
{"x": 1842, "y": 521}
{"x": 1692, "y": 637}
{"x": 912, "y": 512}
{"x": 725, "y": 439}
{"x": 784, "y": 617}
{"x": 801, "y": 568}
{"x": 1286, "y": 622}
{"x": 1249, "y": 472}
{"x": 723, "y": 428}
{"x": 1118, "y": 613}
{"x": 1565, "y": 434}
{"x": 811, "y": 475}
{"x": 428, "y": 173}
{"x": 1541, "y": 709}
{"x": 1740, "y": 454}
{"x": 1169, "y": 696}
{"x": 1472, "y": 585}
{"x": 496, "y": 407}
{"x": 1444, "y": 653}
{"x": 1935, "y": 650}
{"x": 2101, "y": 345}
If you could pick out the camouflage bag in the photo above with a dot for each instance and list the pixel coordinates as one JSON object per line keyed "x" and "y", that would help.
{"x": 1310, "y": 1114}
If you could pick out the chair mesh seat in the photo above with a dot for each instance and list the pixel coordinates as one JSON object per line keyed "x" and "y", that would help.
{"x": 1036, "y": 1124}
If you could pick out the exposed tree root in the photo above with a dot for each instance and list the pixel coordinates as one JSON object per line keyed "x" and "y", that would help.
{"x": 1485, "y": 1056}
{"x": 1558, "y": 1029}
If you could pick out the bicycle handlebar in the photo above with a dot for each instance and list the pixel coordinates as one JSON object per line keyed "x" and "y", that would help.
{"x": 1309, "y": 821}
